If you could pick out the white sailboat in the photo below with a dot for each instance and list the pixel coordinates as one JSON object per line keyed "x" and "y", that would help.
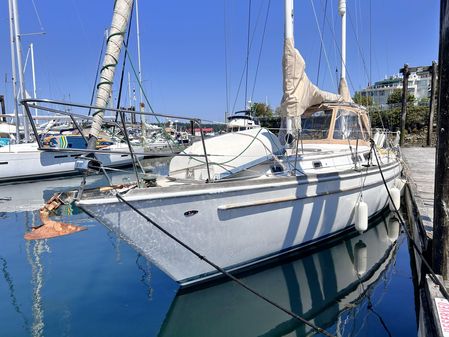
{"x": 27, "y": 160}
{"x": 244, "y": 198}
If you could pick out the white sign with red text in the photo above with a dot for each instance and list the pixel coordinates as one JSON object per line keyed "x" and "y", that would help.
{"x": 443, "y": 314}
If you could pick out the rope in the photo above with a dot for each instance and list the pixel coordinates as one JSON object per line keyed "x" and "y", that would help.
{"x": 224, "y": 272}
{"x": 409, "y": 236}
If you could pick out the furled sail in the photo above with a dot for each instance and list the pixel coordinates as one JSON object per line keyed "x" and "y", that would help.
{"x": 343, "y": 90}
{"x": 122, "y": 11}
{"x": 299, "y": 92}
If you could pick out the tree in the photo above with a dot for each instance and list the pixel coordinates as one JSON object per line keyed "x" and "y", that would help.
{"x": 396, "y": 97}
{"x": 362, "y": 100}
{"x": 261, "y": 110}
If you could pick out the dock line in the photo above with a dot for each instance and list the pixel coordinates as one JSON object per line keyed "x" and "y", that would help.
{"x": 224, "y": 272}
{"x": 401, "y": 221}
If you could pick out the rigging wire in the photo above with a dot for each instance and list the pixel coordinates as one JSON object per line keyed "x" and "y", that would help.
{"x": 122, "y": 75}
{"x": 223, "y": 271}
{"x": 322, "y": 42}
{"x": 332, "y": 28}
{"x": 37, "y": 16}
{"x": 261, "y": 47}
{"x": 321, "y": 45}
{"x": 247, "y": 54}
{"x": 434, "y": 278}
{"x": 245, "y": 65}
{"x": 96, "y": 74}
{"x": 370, "y": 44}
{"x": 226, "y": 55}
{"x": 339, "y": 52}
{"x": 359, "y": 47}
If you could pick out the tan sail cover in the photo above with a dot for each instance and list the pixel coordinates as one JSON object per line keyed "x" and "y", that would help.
{"x": 299, "y": 92}
{"x": 343, "y": 90}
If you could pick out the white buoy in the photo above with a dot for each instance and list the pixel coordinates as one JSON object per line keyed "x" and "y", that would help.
{"x": 393, "y": 229}
{"x": 361, "y": 217}
{"x": 360, "y": 257}
{"x": 396, "y": 196}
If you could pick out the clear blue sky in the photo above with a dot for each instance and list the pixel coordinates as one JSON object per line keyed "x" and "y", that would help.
{"x": 183, "y": 47}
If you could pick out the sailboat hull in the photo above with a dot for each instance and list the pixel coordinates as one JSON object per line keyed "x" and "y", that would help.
{"x": 240, "y": 224}
{"x": 25, "y": 161}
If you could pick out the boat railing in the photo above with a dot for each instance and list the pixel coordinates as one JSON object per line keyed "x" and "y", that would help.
{"x": 122, "y": 123}
{"x": 119, "y": 122}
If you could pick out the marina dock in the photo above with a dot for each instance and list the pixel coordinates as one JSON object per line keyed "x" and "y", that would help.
{"x": 420, "y": 170}
{"x": 419, "y": 199}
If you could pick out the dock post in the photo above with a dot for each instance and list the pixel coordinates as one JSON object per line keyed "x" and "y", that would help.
{"x": 441, "y": 203}
{"x": 433, "y": 86}
{"x": 405, "y": 72}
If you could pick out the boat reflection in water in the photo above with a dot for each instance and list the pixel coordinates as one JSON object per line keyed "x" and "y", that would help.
{"x": 322, "y": 287}
{"x": 32, "y": 195}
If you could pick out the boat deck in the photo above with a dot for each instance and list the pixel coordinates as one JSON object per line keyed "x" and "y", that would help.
{"x": 420, "y": 170}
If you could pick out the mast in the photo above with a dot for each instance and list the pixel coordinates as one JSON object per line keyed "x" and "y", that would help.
{"x": 343, "y": 87}
{"x": 289, "y": 19}
{"x": 13, "y": 68}
{"x": 18, "y": 44}
{"x": 33, "y": 72}
{"x": 288, "y": 35}
{"x": 122, "y": 11}
{"x": 141, "y": 104}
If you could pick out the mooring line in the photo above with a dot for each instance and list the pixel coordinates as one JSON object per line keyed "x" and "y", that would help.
{"x": 435, "y": 279}
{"x": 224, "y": 272}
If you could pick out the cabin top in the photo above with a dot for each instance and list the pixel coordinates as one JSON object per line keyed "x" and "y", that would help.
{"x": 335, "y": 123}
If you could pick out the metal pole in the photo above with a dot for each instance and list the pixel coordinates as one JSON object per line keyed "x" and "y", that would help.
{"x": 129, "y": 91}
{"x": 13, "y": 69}
{"x": 34, "y": 76}
{"x": 141, "y": 104}
{"x": 433, "y": 84}
{"x": 289, "y": 34}
{"x": 405, "y": 72}
{"x": 20, "y": 66}
{"x": 441, "y": 213}
{"x": 342, "y": 12}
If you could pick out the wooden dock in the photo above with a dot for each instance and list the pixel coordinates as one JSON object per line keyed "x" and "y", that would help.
{"x": 420, "y": 171}
{"x": 419, "y": 199}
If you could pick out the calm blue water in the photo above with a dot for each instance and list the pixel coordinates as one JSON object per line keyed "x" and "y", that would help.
{"x": 93, "y": 284}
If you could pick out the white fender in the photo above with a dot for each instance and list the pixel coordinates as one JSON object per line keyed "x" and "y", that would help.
{"x": 361, "y": 217}
{"x": 396, "y": 197}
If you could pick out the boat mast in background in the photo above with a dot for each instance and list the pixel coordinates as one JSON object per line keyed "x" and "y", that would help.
{"x": 122, "y": 11}
{"x": 141, "y": 103}
{"x": 33, "y": 72}
{"x": 13, "y": 68}
{"x": 19, "y": 64}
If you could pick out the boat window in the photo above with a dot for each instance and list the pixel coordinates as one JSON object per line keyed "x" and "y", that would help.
{"x": 315, "y": 124}
{"x": 347, "y": 125}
